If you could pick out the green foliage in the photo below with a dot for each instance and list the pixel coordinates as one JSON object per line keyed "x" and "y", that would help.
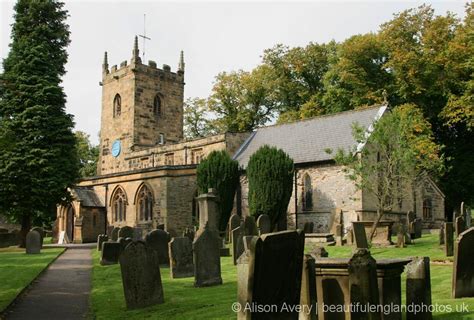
{"x": 40, "y": 161}
{"x": 197, "y": 122}
{"x": 220, "y": 172}
{"x": 87, "y": 153}
{"x": 270, "y": 179}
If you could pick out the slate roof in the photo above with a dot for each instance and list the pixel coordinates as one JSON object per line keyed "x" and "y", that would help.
{"x": 307, "y": 140}
{"x": 87, "y": 197}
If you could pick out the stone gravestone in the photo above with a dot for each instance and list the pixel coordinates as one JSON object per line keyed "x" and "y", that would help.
{"x": 126, "y": 232}
{"x": 308, "y": 290}
{"x": 264, "y": 224}
{"x": 441, "y": 234}
{"x": 237, "y": 243}
{"x": 308, "y": 227}
{"x": 463, "y": 273}
{"x": 418, "y": 288}
{"x": 418, "y": 225}
{"x": 181, "y": 257}
{"x": 360, "y": 237}
{"x": 363, "y": 287}
{"x": 158, "y": 240}
{"x": 41, "y": 233}
{"x": 274, "y": 275}
{"x": 100, "y": 239}
{"x": 250, "y": 227}
{"x": 110, "y": 253}
{"x": 234, "y": 222}
{"x": 410, "y": 224}
{"x": 141, "y": 276}
{"x": 115, "y": 234}
{"x": 33, "y": 242}
{"x": 448, "y": 239}
{"x": 137, "y": 234}
{"x": 401, "y": 235}
{"x": 124, "y": 242}
{"x": 207, "y": 261}
{"x": 208, "y": 209}
{"x": 189, "y": 233}
{"x": 459, "y": 226}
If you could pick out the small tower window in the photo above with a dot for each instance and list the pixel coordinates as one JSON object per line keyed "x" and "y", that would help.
{"x": 157, "y": 106}
{"x": 117, "y": 105}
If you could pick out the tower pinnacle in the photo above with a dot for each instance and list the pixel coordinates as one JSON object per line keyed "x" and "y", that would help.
{"x": 105, "y": 64}
{"x": 136, "y": 52}
{"x": 181, "y": 62}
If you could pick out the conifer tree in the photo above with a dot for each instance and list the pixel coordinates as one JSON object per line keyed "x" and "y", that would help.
{"x": 219, "y": 171}
{"x": 270, "y": 179}
{"x": 38, "y": 160}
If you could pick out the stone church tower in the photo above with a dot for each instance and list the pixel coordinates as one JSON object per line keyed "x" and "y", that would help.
{"x": 142, "y": 107}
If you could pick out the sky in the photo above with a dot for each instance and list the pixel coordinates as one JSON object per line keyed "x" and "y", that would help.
{"x": 215, "y": 37}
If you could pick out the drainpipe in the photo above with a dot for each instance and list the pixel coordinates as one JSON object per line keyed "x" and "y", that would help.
{"x": 105, "y": 203}
{"x": 296, "y": 198}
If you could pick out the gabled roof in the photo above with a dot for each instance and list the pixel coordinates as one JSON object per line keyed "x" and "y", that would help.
{"x": 87, "y": 197}
{"x": 307, "y": 140}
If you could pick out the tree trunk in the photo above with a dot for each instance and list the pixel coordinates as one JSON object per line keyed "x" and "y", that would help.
{"x": 376, "y": 224}
{"x": 25, "y": 228}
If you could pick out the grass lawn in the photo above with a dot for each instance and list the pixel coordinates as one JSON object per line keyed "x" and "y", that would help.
{"x": 18, "y": 269}
{"x": 183, "y": 301}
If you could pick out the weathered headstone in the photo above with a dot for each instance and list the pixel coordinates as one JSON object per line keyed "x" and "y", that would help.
{"x": 410, "y": 224}
{"x": 448, "y": 239}
{"x": 418, "y": 225}
{"x": 141, "y": 276}
{"x": 189, "y": 233}
{"x": 339, "y": 234}
{"x": 100, "y": 239}
{"x": 124, "y": 242}
{"x": 158, "y": 240}
{"x": 360, "y": 237}
{"x": 207, "y": 261}
{"x": 264, "y": 224}
{"x": 274, "y": 276}
{"x": 308, "y": 290}
{"x": 401, "y": 232}
{"x": 110, "y": 253}
{"x": 250, "y": 227}
{"x": 459, "y": 226}
{"x": 319, "y": 252}
{"x": 463, "y": 273}
{"x": 418, "y": 289}
{"x": 125, "y": 232}
{"x": 41, "y": 233}
{"x": 308, "y": 227}
{"x": 33, "y": 242}
{"x": 237, "y": 243}
{"x": 208, "y": 209}
{"x": 114, "y": 234}
{"x": 181, "y": 257}
{"x": 234, "y": 222}
{"x": 137, "y": 234}
{"x": 349, "y": 237}
{"x": 441, "y": 234}
{"x": 363, "y": 287}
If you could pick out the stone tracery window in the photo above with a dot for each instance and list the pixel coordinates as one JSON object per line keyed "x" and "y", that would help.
{"x": 157, "y": 106}
{"x": 144, "y": 204}
{"x": 307, "y": 193}
{"x": 117, "y": 105}
{"x": 119, "y": 205}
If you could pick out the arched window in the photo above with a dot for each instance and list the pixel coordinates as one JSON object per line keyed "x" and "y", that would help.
{"x": 157, "y": 106}
{"x": 307, "y": 194}
{"x": 426, "y": 209}
{"x": 117, "y": 105}
{"x": 119, "y": 205}
{"x": 144, "y": 204}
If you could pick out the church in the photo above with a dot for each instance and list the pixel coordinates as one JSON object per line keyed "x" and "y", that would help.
{"x": 146, "y": 173}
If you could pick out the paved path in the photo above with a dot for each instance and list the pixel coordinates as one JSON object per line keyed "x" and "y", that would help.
{"x": 61, "y": 292}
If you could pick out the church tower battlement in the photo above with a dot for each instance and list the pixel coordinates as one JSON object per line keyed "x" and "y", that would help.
{"x": 142, "y": 107}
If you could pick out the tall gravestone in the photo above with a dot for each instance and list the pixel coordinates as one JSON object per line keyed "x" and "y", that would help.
{"x": 459, "y": 226}
{"x": 234, "y": 222}
{"x": 181, "y": 257}
{"x": 418, "y": 226}
{"x": 274, "y": 276}
{"x": 237, "y": 243}
{"x": 360, "y": 237}
{"x": 363, "y": 287}
{"x": 250, "y": 226}
{"x": 100, "y": 239}
{"x": 110, "y": 253}
{"x": 33, "y": 242}
{"x": 441, "y": 235}
{"x": 448, "y": 239}
{"x": 308, "y": 299}
{"x": 126, "y": 232}
{"x": 114, "y": 235}
{"x": 208, "y": 209}
{"x": 158, "y": 240}
{"x": 463, "y": 273}
{"x": 411, "y": 224}
{"x": 207, "y": 261}
{"x": 401, "y": 236}
{"x": 264, "y": 224}
{"x": 141, "y": 276}
{"x": 418, "y": 289}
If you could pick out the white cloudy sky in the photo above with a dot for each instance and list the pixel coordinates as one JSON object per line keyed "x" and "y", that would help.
{"x": 215, "y": 36}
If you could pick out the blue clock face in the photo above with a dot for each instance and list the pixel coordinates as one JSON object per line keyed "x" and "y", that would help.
{"x": 116, "y": 148}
